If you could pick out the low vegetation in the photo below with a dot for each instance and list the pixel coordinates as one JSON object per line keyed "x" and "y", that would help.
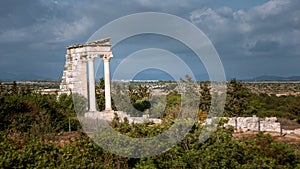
{"x": 31, "y": 127}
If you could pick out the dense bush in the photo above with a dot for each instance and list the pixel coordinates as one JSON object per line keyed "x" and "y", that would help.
{"x": 219, "y": 151}
{"x": 21, "y": 112}
{"x": 28, "y": 120}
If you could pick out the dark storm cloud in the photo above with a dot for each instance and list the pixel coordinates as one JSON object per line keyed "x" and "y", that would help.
{"x": 17, "y": 13}
{"x": 34, "y": 33}
{"x": 40, "y": 21}
{"x": 243, "y": 37}
{"x": 264, "y": 46}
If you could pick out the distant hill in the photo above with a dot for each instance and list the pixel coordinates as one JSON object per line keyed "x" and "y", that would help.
{"x": 4, "y": 76}
{"x": 274, "y": 78}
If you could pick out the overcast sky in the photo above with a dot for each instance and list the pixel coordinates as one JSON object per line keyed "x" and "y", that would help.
{"x": 252, "y": 37}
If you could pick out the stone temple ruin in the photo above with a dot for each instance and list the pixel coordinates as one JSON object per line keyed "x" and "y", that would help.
{"x": 79, "y": 77}
{"x": 75, "y": 74}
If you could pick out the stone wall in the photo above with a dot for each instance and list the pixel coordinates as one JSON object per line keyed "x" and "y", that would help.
{"x": 270, "y": 124}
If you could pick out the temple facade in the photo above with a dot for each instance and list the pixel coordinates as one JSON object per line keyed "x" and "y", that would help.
{"x": 79, "y": 76}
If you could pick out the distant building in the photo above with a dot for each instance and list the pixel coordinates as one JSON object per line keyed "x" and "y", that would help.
{"x": 49, "y": 91}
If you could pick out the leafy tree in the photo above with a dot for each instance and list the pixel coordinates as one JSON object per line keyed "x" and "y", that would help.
{"x": 139, "y": 98}
{"x": 28, "y": 120}
{"x": 205, "y": 100}
{"x": 1, "y": 88}
{"x": 172, "y": 106}
{"x": 264, "y": 105}
{"x": 102, "y": 84}
{"x": 293, "y": 108}
{"x": 100, "y": 96}
{"x": 14, "y": 88}
{"x": 236, "y": 102}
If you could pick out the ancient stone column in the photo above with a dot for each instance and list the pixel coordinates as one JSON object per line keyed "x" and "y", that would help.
{"x": 92, "y": 90}
{"x": 83, "y": 77}
{"x": 106, "y": 59}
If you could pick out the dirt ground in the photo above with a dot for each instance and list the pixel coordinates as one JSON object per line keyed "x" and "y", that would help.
{"x": 286, "y": 138}
{"x": 290, "y": 139}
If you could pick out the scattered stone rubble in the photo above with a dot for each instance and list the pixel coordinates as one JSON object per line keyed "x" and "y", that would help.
{"x": 270, "y": 124}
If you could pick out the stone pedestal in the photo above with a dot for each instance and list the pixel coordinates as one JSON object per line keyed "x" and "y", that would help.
{"x": 109, "y": 116}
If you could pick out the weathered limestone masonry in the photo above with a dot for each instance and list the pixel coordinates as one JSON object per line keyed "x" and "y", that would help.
{"x": 75, "y": 72}
{"x": 254, "y": 124}
{"x": 244, "y": 124}
{"x": 81, "y": 57}
{"x": 270, "y": 124}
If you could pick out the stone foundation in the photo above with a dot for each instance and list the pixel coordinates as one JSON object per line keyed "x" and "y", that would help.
{"x": 269, "y": 124}
{"x": 109, "y": 115}
{"x": 251, "y": 124}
